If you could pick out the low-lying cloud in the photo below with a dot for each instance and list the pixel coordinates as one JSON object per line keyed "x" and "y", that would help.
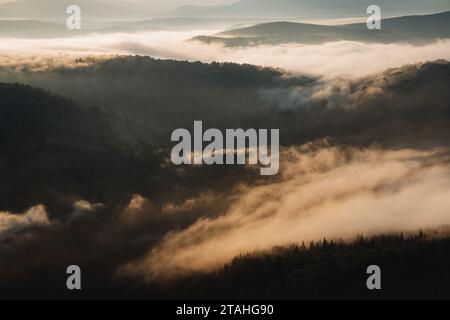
{"x": 11, "y": 223}
{"x": 343, "y": 58}
{"x": 324, "y": 191}
{"x": 207, "y": 216}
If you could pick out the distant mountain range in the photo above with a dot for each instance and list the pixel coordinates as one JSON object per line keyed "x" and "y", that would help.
{"x": 33, "y": 29}
{"x": 411, "y": 29}
{"x": 179, "y": 24}
{"x": 317, "y": 9}
{"x": 30, "y": 28}
{"x": 55, "y": 10}
{"x": 27, "y": 28}
{"x": 46, "y": 18}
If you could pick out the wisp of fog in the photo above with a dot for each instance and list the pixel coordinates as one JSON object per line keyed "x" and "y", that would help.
{"x": 343, "y": 58}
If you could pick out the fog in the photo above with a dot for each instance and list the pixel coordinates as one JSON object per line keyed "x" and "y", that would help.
{"x": 365, "y": 149}
{"x": 11, "y": 223}
{"x": 323, "y": 191}
{"x": 344, "y": 58}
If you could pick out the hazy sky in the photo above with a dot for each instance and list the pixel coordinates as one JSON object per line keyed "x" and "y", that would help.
{"x": 171, "y": 4}
{"x": 161, "y": 5}
{"x": 265, "y": 7}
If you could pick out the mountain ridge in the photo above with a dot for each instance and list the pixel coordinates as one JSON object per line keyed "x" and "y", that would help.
{"x": 50, "y": 10}
{"x": 411, "y": 29}
{"x": 306, "y": 9}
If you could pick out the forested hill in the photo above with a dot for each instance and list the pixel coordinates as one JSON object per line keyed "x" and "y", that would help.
{"x": 412, "y": 267}
{"x": 409, "y": 29}
{"x": 53, "y": 146}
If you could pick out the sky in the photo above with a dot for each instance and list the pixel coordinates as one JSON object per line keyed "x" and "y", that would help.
{"x": 254, "y": 8}
{"x": 161, "y": 5}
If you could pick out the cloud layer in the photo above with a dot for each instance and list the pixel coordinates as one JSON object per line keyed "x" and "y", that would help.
{"x": 201, "y": 218}
{"x": 344, "y": 58}
{"x": 324, "y": 191}
{"x": 12, "y": 223}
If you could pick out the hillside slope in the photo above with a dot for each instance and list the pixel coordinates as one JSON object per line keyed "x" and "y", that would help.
{"x": 52, "y": 146}
{"x": 411, "y": 29}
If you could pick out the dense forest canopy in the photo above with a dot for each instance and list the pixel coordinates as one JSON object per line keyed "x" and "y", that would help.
{"x": 85, "y": 168}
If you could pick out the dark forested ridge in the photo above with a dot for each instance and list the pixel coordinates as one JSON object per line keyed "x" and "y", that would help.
{"x": 165, "y": 94}
{"x": 55, "y": 151}
{"x": 159, "y": 96}
{"x": 51, "y": 143}
{"x": 52, "y": 146}
{"x": 413, "y": 267}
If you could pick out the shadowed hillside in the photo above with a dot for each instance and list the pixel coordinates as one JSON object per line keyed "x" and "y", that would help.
{"x": 159, "y": 96}
{"x": 51, "y": 146}
{"x": 55, "y": 151}
{"x": 165, "y": 94}
{"x": 412, "y": 267}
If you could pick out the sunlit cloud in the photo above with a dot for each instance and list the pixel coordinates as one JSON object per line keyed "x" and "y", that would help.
{"x": 343, "y": 58}
{"x": 329, "y": 192}
{"x": 11, "y": 223}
